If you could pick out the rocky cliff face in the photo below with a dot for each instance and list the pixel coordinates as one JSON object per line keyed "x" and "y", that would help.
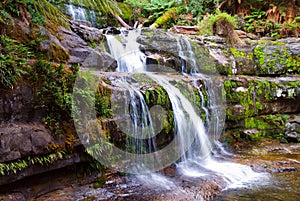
{"x": 29, "y": 139}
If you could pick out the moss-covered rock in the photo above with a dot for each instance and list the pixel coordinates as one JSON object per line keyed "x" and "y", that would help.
{"x": 276, "y": 58}
{"x": 252, "y": 96}
{"x": 262, "y": 57}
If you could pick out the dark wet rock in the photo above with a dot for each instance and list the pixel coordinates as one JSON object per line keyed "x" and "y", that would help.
{"x": 285, "y": 169}
{"x": 86, "y": 32}
{"x": 100, "y": 60}
{"x": 167, "y": 46}
{"x": 158, "y": 41}
{"x": 111, "y": 30}
{"x": 252, "y": 36}
{"x": 72, "y": 46}
{"x": 38, "y": 169}
{"x": 82, "y": 22}
{"x": 297, "y": 91}
{"x": 17, "y": 105}
{"x": 192, "y": 30}
{"x": 21, "y": 140}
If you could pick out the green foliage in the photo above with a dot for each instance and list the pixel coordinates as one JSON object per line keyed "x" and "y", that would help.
{"x": 256, "y": 22}
{"x": 17, "y": 166}
{"x": 43, "y": 9}
{"x": 54, "y": 92}
{"x": 168, "y": 18}
{"x": 157, "y": 9}
{"x": 102, "y": 103}
{"x": 200, "y": 7}
{"x": 7, "y": 8}
{"x": 138, "y": 7}
{"x": 126, "y": 10}
{"x": 13, "y": 61}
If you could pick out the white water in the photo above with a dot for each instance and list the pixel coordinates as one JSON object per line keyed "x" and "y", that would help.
{"x": 80, "y": 13}
{"x": 125, "y": 50}
{"x": 192, "y": 140}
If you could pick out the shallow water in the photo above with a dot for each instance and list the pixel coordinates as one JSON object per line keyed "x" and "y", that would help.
{"x": 282, "y": 186}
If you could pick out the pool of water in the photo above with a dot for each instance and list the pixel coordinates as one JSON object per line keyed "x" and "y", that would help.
{"x": 281, "y": 186}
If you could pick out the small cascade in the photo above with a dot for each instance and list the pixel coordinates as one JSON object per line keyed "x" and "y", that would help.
{"x": 192, "y": 140}
{"x": 214, "y": 107}
{"x": 139, "y": 125}
{"x": 186, "y": 53}
{"x": 188, "y": 125}
{"x": 76, "y": 12}
{"x": 125, "y": 50}
{"x": 81, "y": 13}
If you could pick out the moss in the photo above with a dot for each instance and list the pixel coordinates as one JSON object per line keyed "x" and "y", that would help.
{"x": 270, "y": 126}
{"x": 143, "y": 79}
{"x": 269, "y": 42}
{"x": 167, "y": 18}
{"x": 126, "y": 10}
{"x": 251, "y": 96}
{"x": 244, "y": 60}
{"x": 276, "y": 61}
{"x": 58, "y": 53}
{"x": 157, "y": 96}
{"x": 293, "y": 84}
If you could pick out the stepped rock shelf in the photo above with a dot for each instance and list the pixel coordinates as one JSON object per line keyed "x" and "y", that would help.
{"x": 262, "y": 97}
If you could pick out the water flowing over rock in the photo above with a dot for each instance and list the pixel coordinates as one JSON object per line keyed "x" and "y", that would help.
{"x": 190, "y": 134}
{"x": 256, "y": 106}
{"x": 81, "y": 13}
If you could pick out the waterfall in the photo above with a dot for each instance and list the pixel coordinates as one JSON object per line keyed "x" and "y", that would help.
{"x": 126, "y": 51}
{"x": 81, "y": 13}
{"x": 192, "y": 142}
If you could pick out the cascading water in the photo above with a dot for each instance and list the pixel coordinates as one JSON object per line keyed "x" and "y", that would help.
{"x": 126, "y": 51}
{"x": 80, "y": 13}
{"x": 136, "y": 121}
{"x": 192, "y": 139}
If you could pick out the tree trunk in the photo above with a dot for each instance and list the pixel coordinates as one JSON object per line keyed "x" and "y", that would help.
{"x": 122, "y": 22}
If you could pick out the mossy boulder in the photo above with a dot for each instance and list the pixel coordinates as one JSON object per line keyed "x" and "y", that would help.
{"x": 261, "y": 57}
{"x": 252, "y": 96}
